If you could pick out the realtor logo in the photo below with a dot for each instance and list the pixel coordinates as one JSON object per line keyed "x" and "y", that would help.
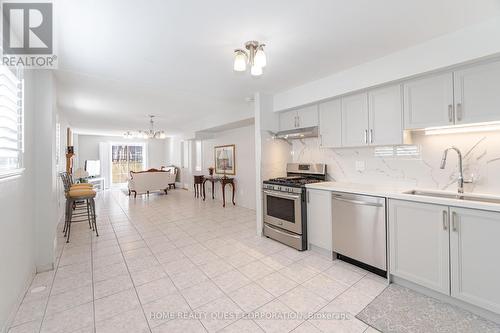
{"x": 27, "y": 31}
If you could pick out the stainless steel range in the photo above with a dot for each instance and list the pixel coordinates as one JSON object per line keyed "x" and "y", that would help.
{"x": 285, "y": 204}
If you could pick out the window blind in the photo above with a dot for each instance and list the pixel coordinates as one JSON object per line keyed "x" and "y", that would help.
{"x": 11, "y": 122}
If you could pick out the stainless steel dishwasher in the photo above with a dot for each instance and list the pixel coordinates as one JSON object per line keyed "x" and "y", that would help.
{"x": 359, "y": 228}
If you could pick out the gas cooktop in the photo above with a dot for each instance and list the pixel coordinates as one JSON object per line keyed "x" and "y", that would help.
{"x": 295, "y": 181}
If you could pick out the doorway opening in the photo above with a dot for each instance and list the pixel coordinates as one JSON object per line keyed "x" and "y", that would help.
{"x": 126, "y": 158}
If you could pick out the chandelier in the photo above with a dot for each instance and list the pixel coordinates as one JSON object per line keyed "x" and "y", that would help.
{"x": 150, "y": 133}
{"x": 254, "y": 56}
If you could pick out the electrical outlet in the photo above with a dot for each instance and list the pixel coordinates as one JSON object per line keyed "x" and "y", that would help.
{"x": 360, "y": 166}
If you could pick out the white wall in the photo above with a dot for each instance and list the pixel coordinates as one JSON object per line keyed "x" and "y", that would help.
{"x": 461, "y": 46}
{"x": 88, "y": 149}
{"x": 28, "y": 203}
{"x": 244, "y": 139}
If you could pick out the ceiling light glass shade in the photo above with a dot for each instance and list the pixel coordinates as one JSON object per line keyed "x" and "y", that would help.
{"x": 256, "y": 70}
{"x": 163, "y": 135}
{"x": 240, "y": 61}
{"x": 260, "y": 57}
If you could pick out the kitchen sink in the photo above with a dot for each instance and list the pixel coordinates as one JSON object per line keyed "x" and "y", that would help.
{"x": 457, "y": 196}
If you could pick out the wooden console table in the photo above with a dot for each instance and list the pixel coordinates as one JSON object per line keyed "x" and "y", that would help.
{"x": 223, "y": 181}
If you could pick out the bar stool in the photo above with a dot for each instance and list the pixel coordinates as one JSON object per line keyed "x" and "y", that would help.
{"x": 79, "y": 202}
{"x": 198, "y": 184}
{"x": 73, "y": 197}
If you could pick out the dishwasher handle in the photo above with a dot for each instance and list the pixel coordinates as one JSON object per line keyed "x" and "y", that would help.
{"x": 356, "y": 202}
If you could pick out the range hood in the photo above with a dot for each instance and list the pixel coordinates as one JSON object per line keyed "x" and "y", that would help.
{"x": 298, "y": 133}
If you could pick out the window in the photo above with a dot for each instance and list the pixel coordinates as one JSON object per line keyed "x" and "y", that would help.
{"x": 404, "y": 151}
{"x": 11, "y": 123}
{"x": 199, "y": 162}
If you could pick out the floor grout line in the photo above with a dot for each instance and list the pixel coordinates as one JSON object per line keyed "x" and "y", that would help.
{"x": 147, "y": 220}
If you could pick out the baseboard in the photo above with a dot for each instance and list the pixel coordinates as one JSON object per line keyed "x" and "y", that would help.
{"x": 320, "y": 250}
{"x": 447, "y": 299}
{"x": 12, "y": 315}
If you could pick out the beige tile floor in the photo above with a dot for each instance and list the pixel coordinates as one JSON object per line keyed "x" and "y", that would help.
{"x": 177, "y": 264}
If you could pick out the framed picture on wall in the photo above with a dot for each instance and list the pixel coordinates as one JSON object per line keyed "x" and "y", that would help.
{"x": 225, "y": 161}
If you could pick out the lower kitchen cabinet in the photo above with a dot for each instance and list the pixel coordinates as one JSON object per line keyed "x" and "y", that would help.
{"x": 419, "y": 244}
{"x": 451, "y": 250}
{"x": 475, "y": 257}
{"x": 319, "y": 218}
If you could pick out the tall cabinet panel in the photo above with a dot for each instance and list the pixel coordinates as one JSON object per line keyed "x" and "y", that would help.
{"x": 355, "y": 120}
{"x": 385, "y": 114}
{"x": 428, "y": 101}
{"x": 477, "y": 93}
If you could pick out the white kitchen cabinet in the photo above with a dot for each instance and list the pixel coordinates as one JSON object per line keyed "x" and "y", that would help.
{"x": 475, "y": 253}
{"x": 319, "y": 218}
{"x": 428, "y": 101}
{"x": 355, "y": 120}
{"x": 330, "y": 123}
{"x": 385, "y": 116}
{"x": 308, "y": 116}
{"x": 419, "y": 244}
{"x": 288, "y": 120}
{"x": 300, "y": 118}
{"x": 477, "y": 97}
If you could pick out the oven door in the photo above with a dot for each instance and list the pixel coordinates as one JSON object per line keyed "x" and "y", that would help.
{"x": 283, "y": 210}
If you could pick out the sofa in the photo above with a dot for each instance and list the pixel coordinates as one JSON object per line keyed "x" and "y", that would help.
{"x": 150, "y": 180}
{"x": 171, "y": 169}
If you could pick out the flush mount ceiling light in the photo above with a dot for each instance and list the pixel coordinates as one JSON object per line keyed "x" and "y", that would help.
{"x": 255, "y": 57}
{"x": 150, "y": 133}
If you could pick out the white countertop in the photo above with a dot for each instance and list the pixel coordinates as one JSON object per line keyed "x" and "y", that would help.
{"x": 393, "y": 192}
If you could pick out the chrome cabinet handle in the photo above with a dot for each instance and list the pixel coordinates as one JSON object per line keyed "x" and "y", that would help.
{"x": 450, "y": 112}
{"x": 371, "y": 135}
{"x": 459, "y": 111}
{"x": 454, "y": 221}
{"x": 366, "y": 136}
{"x": 445, "y": 220}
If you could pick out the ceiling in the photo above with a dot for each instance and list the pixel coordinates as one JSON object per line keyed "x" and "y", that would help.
{"x": 120, "y": 60}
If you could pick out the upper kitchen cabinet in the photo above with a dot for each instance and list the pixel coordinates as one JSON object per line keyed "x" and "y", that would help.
{"x": 330, "y": 124}
{"x": 477, "y": 93}
{"x": 474, "y": 251}
{"x": 385, "y": 115}
{"x": 288, "y": 120}
{"x": 428, "y": 101}
{"x": 355, "y": 120}
{"x": 300, "y": 118}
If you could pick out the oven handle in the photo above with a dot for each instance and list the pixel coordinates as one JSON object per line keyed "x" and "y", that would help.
{"x": 282, "y": 195}
{"x": 357, "y": 202}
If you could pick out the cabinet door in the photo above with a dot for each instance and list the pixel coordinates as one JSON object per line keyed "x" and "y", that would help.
{"x": 330, "y": 124}
{"x": 419, "y": 244}
{"x": 319, "y": 218}
{"x": 355, "y": 120}
{"x": 474, "y": 257}
{"x": 428, "y": 101}
{"x": 288, "y": 120}
{"x": 477, "y": 97}
{"x": 308, "y": 116}
{"x": 386, "y": 116}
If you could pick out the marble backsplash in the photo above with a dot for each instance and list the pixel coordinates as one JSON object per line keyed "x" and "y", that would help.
{"x": 481, "y": 151}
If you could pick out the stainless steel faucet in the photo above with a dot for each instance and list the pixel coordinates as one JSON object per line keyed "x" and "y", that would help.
{"x": 460, "y": 179}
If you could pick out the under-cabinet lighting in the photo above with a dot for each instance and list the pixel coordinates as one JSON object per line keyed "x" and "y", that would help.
{"x": 482, "y": 127}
